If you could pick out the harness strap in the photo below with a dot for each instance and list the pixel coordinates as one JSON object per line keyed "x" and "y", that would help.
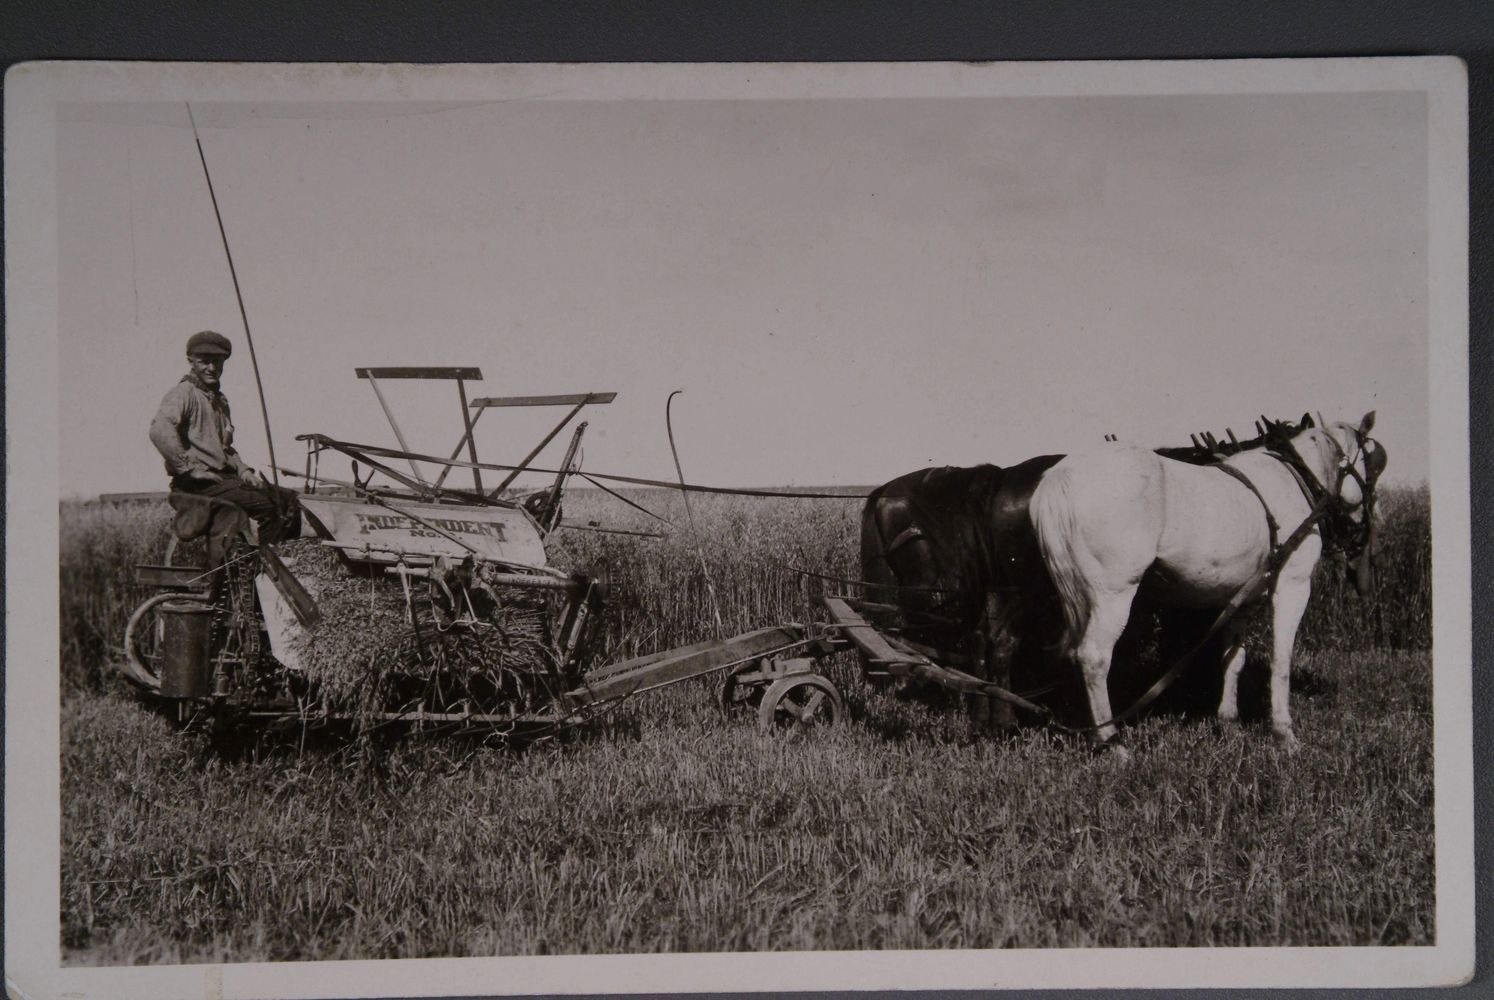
{"x": 1309, "y": 524}
{"x": 1243, "y": 596}
{"x": 1266, "y": 577}
{"x": 1337, "y": 529}
{"x": 1271, "y": 524}
{"x": 1291, "y": 461}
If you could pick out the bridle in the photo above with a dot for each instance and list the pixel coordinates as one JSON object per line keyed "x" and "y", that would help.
{"x": 1340, "y": 531}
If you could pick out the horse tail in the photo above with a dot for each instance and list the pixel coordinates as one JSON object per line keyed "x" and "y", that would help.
{"x": 1057, "y": 530}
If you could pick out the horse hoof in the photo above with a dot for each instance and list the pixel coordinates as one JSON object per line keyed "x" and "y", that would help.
{"x": 1287, "y": 740}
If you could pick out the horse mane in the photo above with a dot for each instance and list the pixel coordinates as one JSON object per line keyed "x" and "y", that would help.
{"x": 1206, "y": 449}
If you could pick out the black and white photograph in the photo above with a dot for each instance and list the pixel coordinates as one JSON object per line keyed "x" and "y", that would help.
{"x": 651, "y": 528}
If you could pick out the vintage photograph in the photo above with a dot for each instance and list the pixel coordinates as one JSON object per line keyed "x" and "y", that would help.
{"x": 741, "y": 514}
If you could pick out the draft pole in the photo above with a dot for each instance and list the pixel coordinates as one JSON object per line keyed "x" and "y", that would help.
{"x": 243, "y": 315}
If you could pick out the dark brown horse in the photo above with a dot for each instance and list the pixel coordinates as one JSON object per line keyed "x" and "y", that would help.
{"x": 953, "y": 550}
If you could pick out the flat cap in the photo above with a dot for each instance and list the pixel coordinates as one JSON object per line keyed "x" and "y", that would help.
{"x": 208, "y": 342}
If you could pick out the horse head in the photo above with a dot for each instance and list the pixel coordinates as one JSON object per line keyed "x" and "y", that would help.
{"x": 1347, "y": 462}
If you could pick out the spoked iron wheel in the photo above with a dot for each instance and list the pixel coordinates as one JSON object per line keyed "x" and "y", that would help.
{"x": 796, "y": 705}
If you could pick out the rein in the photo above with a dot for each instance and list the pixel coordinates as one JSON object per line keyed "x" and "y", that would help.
{"x": 1248, "y": 592}
{"x": 1272, "y": 527}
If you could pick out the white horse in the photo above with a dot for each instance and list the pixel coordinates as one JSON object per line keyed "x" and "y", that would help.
{"x": 1121, "y": 520}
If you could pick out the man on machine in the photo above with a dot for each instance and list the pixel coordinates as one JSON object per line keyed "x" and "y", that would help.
{"x": 194, "y": 434}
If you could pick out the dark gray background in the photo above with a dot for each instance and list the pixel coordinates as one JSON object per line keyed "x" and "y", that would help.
{"x": 760, "y": 30}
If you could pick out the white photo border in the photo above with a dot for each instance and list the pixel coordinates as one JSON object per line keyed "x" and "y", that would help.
{"x": 34, "y": 92}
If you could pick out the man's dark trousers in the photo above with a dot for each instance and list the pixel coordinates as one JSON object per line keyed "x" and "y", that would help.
{"x": 277, "y": 520}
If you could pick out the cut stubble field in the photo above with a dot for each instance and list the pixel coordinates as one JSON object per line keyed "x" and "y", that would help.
{"x": 664, "y": 827}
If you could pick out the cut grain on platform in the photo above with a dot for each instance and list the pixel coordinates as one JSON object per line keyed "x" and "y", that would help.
{"x": 373, "y": 642}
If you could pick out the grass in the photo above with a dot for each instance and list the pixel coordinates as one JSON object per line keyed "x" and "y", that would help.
{"x": 665, "y": 828}
{"x": 668, "y": 830}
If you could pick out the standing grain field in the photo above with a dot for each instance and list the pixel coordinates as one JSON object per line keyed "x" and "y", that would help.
{"x": 664, "y": 828}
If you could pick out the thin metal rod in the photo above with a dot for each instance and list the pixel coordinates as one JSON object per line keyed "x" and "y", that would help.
{"x": 364, "y": 451}
{"x": 398, "y": 434}
{"x": 471, "y": 441}
{"x": 567, "y": 468}
{"x": 462, "y": 443}
{"x": 611, "y": 492}
{"x": 234, "y": 274}
{"x": 568, "y": 526}
{"x": 523, "y": 464}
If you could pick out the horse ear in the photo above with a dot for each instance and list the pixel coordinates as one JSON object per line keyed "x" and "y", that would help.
{"x": 1306, "y": 421}
{"x": 1321, "y": 421}
{"x": 1368, "y": 423}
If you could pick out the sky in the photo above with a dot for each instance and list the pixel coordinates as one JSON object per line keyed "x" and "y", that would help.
{"x": 844, "y": 289}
